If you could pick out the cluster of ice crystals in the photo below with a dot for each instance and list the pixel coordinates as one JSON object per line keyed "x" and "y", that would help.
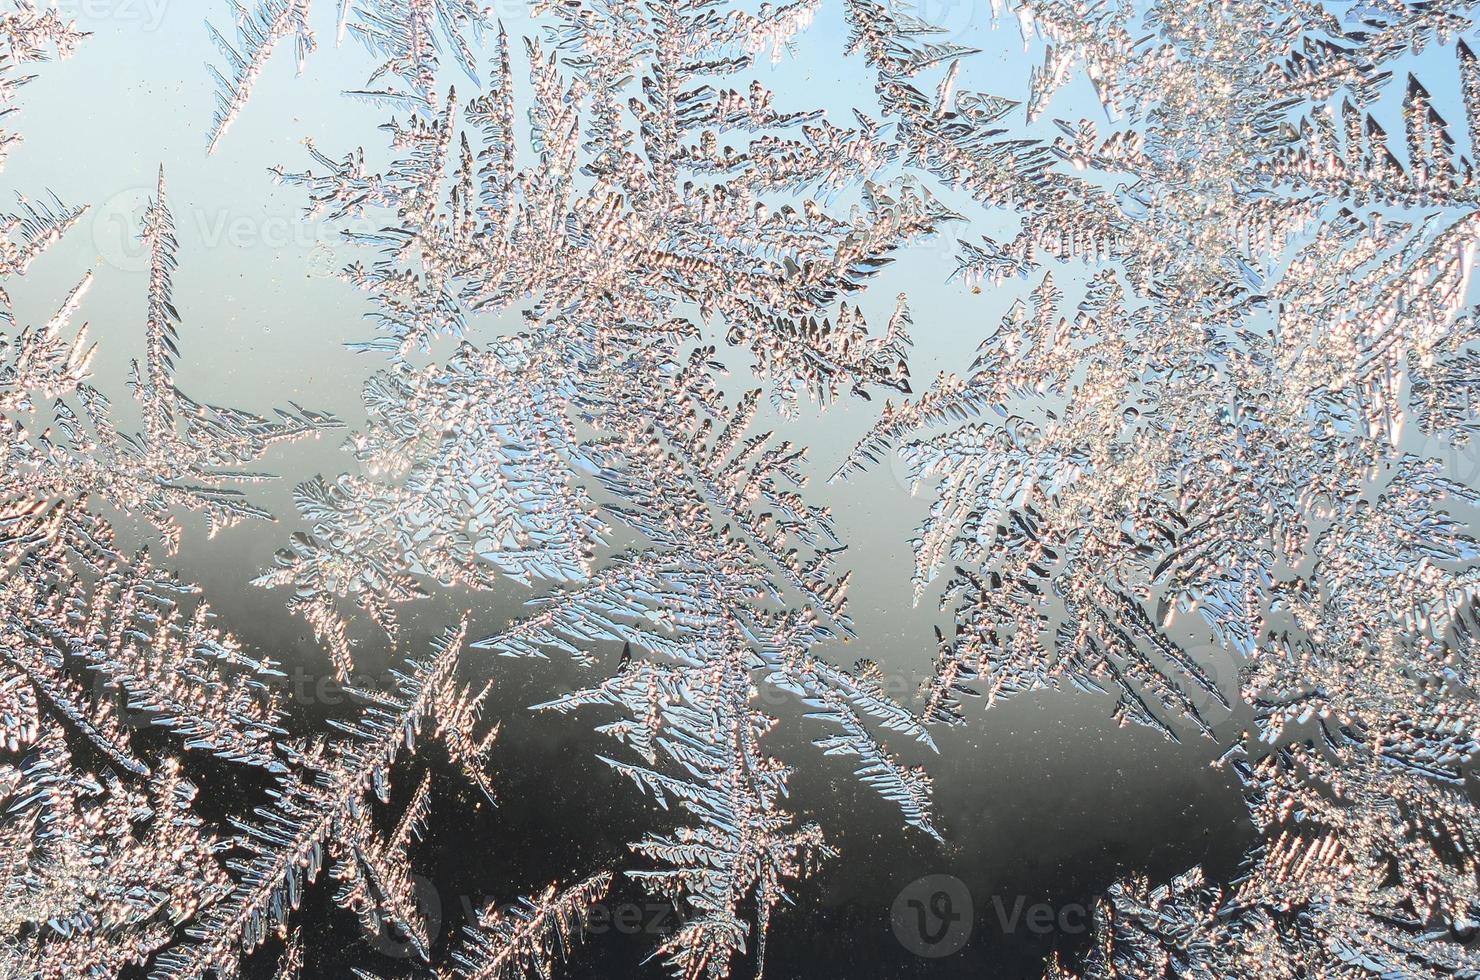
{"x": 1228, "y": 436}
{"x": 1213, "y": 420}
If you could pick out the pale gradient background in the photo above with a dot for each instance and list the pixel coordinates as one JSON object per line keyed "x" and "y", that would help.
{"x": 1041, "y": 797}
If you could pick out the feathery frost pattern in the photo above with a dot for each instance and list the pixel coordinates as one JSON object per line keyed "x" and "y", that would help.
{"x": 104, "y": 652}
{"x": 1226, "y": 434}
{"x": 533, "y": 457}
{"x": 1210, "y": 429}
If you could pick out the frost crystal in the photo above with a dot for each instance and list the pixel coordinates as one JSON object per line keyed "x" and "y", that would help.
{"x": 529, "y": 456}
{"x": 1213, "y": 418}
{"x": 1229, "y": 436}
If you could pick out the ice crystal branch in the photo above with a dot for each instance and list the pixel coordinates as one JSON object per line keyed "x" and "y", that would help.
{"x": 29, "y": 36}
{"x": 528, "y": 938}
{"x": 1229, "y": 438}
{"x": 659, "y": 228}
{"x": 409, "y": 35}
{"x": 259, "y": 30}
{"x": 656, "y": 203}
{"x": 115, "y": 679}
{"x": 321, "y": 806}
{"x": 187, "y": 450}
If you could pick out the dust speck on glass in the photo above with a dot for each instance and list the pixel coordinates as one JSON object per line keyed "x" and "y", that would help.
{"x": 720, "y": 489}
